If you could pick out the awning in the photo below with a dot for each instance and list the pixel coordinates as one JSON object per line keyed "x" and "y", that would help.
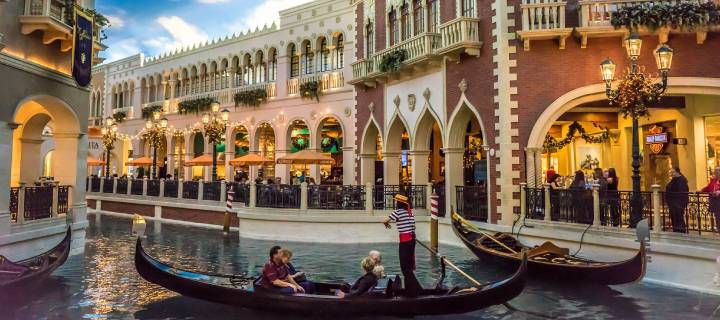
{"x": 201, "y": 161}
{"x": 139, "y": 162}
{"x": 305, "y": 157}
{"x": 94, "y": 162}
{"x": 250, "y": 160}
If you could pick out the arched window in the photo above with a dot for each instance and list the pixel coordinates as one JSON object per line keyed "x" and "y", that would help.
{"x": 369, "y": 40}
{"x": 418, "y": 16}
{"x": 324, "y": 56}
{"x": 433, "y": 9}
{"x": 308, "y": 58}
{"x": 260, "y": 68}
{"x": 394, "y": 27}
{"x": 294, "y": 62}
{"x": 405, "y": 21}
{"x": 340, "y": 52}
{"x": 468, "y": 8}
{"x": 273, "y": 65}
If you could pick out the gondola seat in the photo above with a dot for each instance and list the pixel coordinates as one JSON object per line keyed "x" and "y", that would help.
{"x": 548, "y": 247}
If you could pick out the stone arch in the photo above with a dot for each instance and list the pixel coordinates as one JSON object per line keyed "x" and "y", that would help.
{"x": 298, "y": 121}
{"x": 395, "y": 129}
{"x": 428, "y": 117}
{"x": 368, "y": 152}
{"x": 318, "y": 129}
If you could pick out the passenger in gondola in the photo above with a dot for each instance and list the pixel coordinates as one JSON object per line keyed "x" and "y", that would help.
{"x": 276, "y": 276}
{"x": 405, "y": 221}
{"x": 299, "y": 276}
{"x": 375, "y": 256}
{"x": 366, "y": 283}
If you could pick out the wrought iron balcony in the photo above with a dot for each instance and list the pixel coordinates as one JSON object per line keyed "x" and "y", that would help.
{"x": 543, "y": 20}
{"x": 461, "y": 35}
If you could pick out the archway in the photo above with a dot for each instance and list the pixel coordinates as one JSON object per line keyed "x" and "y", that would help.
{"x": 427, "y": 156}
{"x": 265, "y": 142}
{"x": 298, "y": 138}
{"x": 329, "y": 140}
{"x": 466, "y": 157}
{"x": 178, "y": 155}
{"x": 398, "y": 165}
{"x": 241, "y": 147}
{"x": 198, "y": 149}
{"x": 371, "y": 155}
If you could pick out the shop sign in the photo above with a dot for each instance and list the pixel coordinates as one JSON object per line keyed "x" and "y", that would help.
{"x": 657, "y": 138}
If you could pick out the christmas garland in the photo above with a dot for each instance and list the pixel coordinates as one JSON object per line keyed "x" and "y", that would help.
{"x": 552, "y": 145}
{"x": 250, "y": 98}
{"x": 154, "y": 137}
{"x": 148, "y": 111}
{"x": 659, "y": 15}
{"x": 119, "y": 117}
{"x": 195, "y": 106}
{"x": 310, "y": 90}
{"x": 392, "y": 61}
{"x": 299, "y": 142}
{"x": 634, "y": 94}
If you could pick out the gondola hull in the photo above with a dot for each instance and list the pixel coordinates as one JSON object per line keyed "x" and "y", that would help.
{"x": 602, "y": 273}
{"x": 200, "y": 286}
{"x": 31, "y": 272}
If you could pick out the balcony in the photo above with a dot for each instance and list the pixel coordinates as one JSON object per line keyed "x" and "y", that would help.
{"x": 461, "y": 35}
{"x": 595, "y": 17}
{"x": 49, "y": 17}
{"x": 543, "y": 20}
{"x": 269, "y": 88}
{"x": 328, "y": 81}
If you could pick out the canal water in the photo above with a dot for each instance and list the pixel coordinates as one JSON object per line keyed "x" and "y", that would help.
{"x": 102, "y": 283}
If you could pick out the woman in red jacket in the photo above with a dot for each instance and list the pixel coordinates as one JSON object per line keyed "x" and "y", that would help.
{"x": 714, "y": 201}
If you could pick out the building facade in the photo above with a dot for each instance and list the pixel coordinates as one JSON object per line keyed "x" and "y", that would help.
{"x": 43, "y": 127}
{"x": 282, "y": 66}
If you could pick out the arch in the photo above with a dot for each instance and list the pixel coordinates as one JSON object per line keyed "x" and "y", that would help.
{"x": 265, "y": 143}
{"x": 298, "y": 123}
{"x": 464, "y": 111}
{"x": 398, "y": 124}
{"x": 320, "y": 125}
{"x": 369, "y": 137}
{"x": 198, "y": 144}
{"x": 421, "y": 135}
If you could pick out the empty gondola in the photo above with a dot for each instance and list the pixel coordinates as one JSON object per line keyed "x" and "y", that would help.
{"x": 548, "y": 260}
{"x": 239, "y": 291}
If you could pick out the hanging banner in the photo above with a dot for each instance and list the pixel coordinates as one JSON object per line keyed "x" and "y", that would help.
{"x": 82, "y": 52}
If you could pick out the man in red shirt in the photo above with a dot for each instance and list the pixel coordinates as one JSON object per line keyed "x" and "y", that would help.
{"x": 275, "y": 274}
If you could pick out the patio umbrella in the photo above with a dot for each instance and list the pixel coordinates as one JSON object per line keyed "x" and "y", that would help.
{"x": 305, "y": 157}
{"x": 94, "y": 162}
{"x": 201, "y": 161}
{"x": 250, "y": 160}
{"x": 139, "y": 162}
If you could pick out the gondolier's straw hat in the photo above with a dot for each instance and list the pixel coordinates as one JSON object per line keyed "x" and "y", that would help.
{"x": 401, "y": 198}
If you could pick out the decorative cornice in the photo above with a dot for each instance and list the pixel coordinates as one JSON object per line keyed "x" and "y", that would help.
{"x": 36, "y": 69}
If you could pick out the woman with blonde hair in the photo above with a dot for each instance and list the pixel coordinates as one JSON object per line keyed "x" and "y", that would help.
{"x": 367, "y": 282}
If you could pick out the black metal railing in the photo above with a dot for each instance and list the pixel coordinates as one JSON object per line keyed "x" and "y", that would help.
{"x": 95, "y": 185}
{"x": 153, "y": 188}
{"x": 615, "y": 207}
{"x": 241, "y": 192}
{"x": 278, "y": 196}
{"x": 471, "y": 202}
{"x": 107, "y": 185}
{"x": 122, "y": 186}
{"x": 571, "y": 205}
{"x": 171, "y": 189}
{"x": 14, "y": 193}
{"x": 383, "y": 196}
{"x": 690, "y": 212}
{"x": 336, "y": 197}
{"x": 190, "y": 190}
{"x": 535, "y": 203}
{"x": 136, "y": 187}
{"x": 211, "y": 190}
{"x": 38, "y": 202}
{"x": 63, "y": 199}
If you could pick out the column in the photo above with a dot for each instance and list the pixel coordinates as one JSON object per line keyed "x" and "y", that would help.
{"x": 391, "y": 168}
{"x": 172, "y": 88}
{"x": 283, "y": 170}
{"x": 283, "y": 74}
{"x": 147, "y": 93}
{"x": 69, "y": 146}
{"x": 532, "y": 170}
{"x": 5, "y": 157}
{"x": 454, "y": 175}
{"x": 163, "y": 91}
{"x": 208, "y": 151}
{"x": 367, "y": 168}
{"x": 229, "y": 171}
{"x": 231, "y": 73}
{"x": 349, "y": 166}
{"x": 187, "y": 171}
{"x": 420, "y": 166}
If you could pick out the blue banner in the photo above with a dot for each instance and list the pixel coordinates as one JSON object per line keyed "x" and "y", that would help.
{"x": 82, "y": 54}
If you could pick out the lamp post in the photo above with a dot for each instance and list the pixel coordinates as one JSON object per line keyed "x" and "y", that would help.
{"x": 109, "y": 135}
{"x": 633, "y": 95}
{"x": 215, "y": 124}
{"x": 154, "y": 134}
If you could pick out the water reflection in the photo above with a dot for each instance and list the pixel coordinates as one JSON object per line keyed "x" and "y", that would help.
{"x": 103, "y": 282}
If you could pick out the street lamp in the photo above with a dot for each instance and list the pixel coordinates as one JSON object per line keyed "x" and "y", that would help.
{"x": 154, "y": 134}
{"x": 215, "y": 124}
{"x": 109, "y": 135}
{"x": 633, "y": 95}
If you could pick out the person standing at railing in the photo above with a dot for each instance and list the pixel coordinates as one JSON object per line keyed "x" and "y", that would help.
{"x": 676, "y": 197}
{"x": 713, "y": 188}
{"x": 600, "y": 179}
{"x": 613, "y": 196}
{"x": 581, "y": 203}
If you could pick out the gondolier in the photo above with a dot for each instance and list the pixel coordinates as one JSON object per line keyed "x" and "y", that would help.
{"x": 405, "y": 222}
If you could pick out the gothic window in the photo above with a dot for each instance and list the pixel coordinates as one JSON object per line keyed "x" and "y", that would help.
{"x": 468, "y": 8}
{"x": 418, "y": 17}
{"x": 394, "y": 28}
{"x": 294, "y": 62}
{"x": 405, "y": 21}
{"x": 273, "y": 65}
{"x": 260, "y": 68}
{"x": 324, "y": 56}
{"x": 433, "y": 8}
{"x": 340, "y": 52}
{"x": 308, "y": 57}
{"x": 369, "y": 40}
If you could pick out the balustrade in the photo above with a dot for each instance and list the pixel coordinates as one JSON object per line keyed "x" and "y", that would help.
{"x": 211, "y": 190}
{"x": 542, "y": 20}
{"x": 153, "y": 188}
{"x": 461, "y": 33}
{"x": 34, "y": 203}
{"x": 278, "y": 196}
{"x": 336, "y": 197}
{"x": 190, "y": 190}
{"x": 471, "y": 202}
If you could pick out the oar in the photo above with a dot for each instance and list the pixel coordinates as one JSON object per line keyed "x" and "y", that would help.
{"x": 449, "y": 263}
{"x": 476, "y": 230}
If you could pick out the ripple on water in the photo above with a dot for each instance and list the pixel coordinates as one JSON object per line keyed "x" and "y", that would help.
{"x": 103, "y": 284}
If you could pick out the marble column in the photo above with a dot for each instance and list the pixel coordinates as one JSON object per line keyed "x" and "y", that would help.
{"x": 367, "y": 168}
{"x": 349, "y": 166}
{"x": 420, "y": 166}
{"x": 6, "y": 146}
{"x": 392, "y": 168}
{"x": 453, "y": 174}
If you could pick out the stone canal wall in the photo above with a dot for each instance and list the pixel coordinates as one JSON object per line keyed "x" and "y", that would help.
{"x": 682, "y": 261}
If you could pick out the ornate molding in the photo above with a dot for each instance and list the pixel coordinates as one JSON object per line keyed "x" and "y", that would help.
{"x": 369, "y": 10}
{"x": 396, "y": 101}
{"x": 348, "y": 112}
{"x": 371, "y": 106}
{"x": 463, "y": 85}
{"x": 426, "y": 94}
{"x": 411, "y": 102}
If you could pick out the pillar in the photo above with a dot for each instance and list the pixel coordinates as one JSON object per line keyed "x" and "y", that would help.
{"x": 349, "y": 166}
{"x": 453, "y": 175}
{"x": 656, "y": 216}
{"x": 523, "y": 200}
{"x": 229, "y": 155}
{"x": 420, "y": 166}
{"x": 283, "y": 170}
{"x": 369, "y": 197}
{"x": 367, "y": 168}
{"x": 596, "y": 204}
{"x": 31, "y": 162}
{"x": 391, "y": 168}
{"x": 534, "y": 171}
{"x": 548, "y": 204}
{"x": 283, "y": 74}
{"x": 72, "y": 148}
{"x": 303, "y": 196}
{"x": 6, "y": 137}
{"x": 172, "y": 88}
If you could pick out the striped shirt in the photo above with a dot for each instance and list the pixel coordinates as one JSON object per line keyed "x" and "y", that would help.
{"x": 404, "y": 221}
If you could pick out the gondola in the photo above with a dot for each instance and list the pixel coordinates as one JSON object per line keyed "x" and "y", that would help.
{"x": 18, "y": 278}
{"x": 548, "y": 260}
{"x": 239, "y": 291}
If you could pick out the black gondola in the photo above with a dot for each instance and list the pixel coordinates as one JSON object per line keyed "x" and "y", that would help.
{"x": 238, "y": 291}
{"x": 18, "y": 278}
{"x": 548, "y": 260}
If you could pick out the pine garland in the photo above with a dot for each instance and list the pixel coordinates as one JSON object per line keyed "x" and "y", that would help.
{"x": 552, "y": 145}
{"x": 686, "y": 15}
{"x": 251, "y": 98}
{"x": 310, "y": 90}
{"x": 635, "y": 93}
{"x": 148, "y": 111}
{"x": 119, "y": 117}
{"x": 392, "y": 61}
{"x": 195, "y": 106}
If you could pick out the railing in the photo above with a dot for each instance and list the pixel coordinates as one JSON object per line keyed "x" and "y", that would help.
{"x": 63, "y": 204}
{"x": 598, "y": 13}
{"x": 571, "y": 205}
{"x": 543, "y": 15}
{"x": 136, "y": 187}
{"x": 122, "y": 185}
{"x": 535, "y": 200}
{"x": 383, "y": 196}
{"x": 211, "y": 190}
{"x": 269, "y": 87}
{"x": 615, "y": 208}
{"x": 107, "y": 185}
{"x": 278, "y": 196}
{"x": 471, "y": 202}
{"x": 38, "y": 202}
{"x": 362, "y": 68}
{"x": 171, "y": 189}
{"x": 416, "y": 48}
{"x": 460, "y": 31}
{"x": 336, "y": 197}
{"x": 698, "y": 216}
{"x": 327, "y": 81}
{"x": 153, "y": 188}
{"x": 51, "y": 8}
{"x": 242, "y": 192}
{"x": 190, "y": 190}
{"x": 94, "y": 185}
{"x": 33, "y": 203}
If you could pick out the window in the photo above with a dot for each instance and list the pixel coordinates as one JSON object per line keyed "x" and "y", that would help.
{"x": 260, "y": 68}
{"x": 433, "y": 8}
{"x": 294, "y": 62}
{"x": 308, "y": 58}
{"x": 394, "y": 28}
{"x": 340, "y": 52}
{"x": 418, "y": 17}
{"x": 369, "y": 40}
{"x": 468, "y": 8}
{"x": 273, "y": 65}
{"x": 405, "y": 21}
{"x": 324, "y": 56}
